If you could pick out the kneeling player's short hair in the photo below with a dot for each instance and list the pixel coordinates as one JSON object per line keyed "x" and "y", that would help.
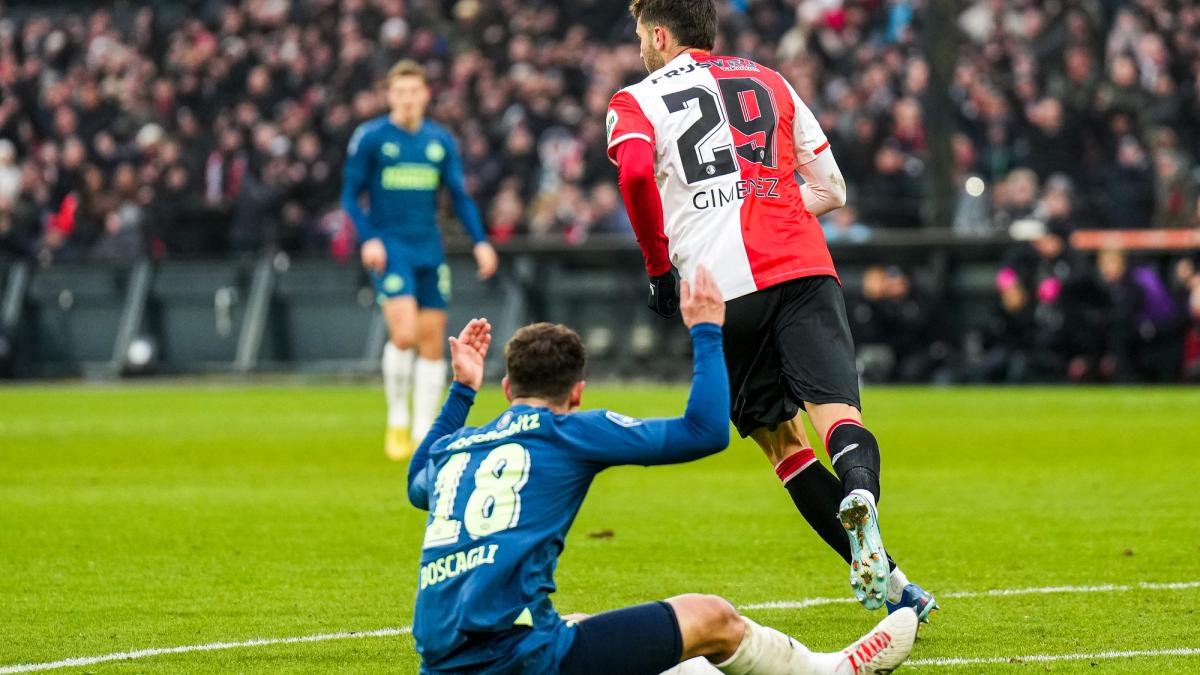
{"x": 544, "y": 360}
{"x": 407, "y": 68}
{"x": 692, "y": 22}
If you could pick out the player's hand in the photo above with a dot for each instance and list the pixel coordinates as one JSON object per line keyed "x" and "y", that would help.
{"x": 701, "y": 300}
{"x": 468, "y": 352}
{"x": 486, "y": 259}
{"x": 664, "y": 295}
{"x": 374, "y": 256}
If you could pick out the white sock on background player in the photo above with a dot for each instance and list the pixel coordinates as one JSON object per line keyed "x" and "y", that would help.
{"x": 429, "y": 386}
{"x": 397, "y": 380}
{"x": 896, "y": 583}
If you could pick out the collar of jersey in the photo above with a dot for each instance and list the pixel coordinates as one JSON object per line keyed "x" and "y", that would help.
{"x": 393, "y": 124}
{"x": 672, "y": 63}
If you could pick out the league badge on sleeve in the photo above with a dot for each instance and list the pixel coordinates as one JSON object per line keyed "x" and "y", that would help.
{"x": 610, "y": 124}
{"x": 622, "y": 420}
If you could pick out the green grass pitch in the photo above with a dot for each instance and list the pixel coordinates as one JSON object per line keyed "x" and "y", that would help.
{"x": 163, "y": 516}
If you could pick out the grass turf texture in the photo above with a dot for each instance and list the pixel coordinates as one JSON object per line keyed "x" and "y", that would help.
{"x": 157, "y": 516}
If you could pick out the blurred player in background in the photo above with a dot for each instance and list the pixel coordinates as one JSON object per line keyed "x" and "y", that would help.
{"x": 713, "y": 144}
{"x": 401, "y": 160}
{"x": 502, "y": 496}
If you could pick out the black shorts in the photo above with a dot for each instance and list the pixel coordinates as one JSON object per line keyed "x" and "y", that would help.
{"x": 785, "y": 345}
{"x": 643, "y": 639}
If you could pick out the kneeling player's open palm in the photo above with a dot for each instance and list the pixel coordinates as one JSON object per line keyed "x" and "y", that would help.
{"x": 468, "y": 352}
{"x": 700, "y": 301}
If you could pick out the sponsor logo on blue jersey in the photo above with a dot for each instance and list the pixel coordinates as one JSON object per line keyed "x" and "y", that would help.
{"x": 622, "y": 420}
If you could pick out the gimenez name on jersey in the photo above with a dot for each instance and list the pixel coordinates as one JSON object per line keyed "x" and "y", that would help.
{"x": 763, "y": 188}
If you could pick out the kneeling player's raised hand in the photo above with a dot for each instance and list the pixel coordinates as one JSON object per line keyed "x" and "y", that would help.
{"x": 701, "y": 300}
{"x": 468, "y": 352}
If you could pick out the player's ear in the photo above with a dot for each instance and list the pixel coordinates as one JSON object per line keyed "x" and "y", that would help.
{"x": 577, "y": 394}
{"x": 507, "y": 390}
{"x": 660, "y": 37}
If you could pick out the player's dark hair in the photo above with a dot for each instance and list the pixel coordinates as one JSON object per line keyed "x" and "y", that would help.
{"x": 544, "y": 360}
{"x": 692, "y": 22}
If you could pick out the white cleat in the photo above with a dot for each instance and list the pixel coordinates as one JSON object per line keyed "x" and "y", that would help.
{"x": 884, "y": 648}
{"x": 868, "y": 560}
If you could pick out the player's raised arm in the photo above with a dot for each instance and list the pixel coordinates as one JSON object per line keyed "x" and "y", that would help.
{"x": 467, "y": 355}
{"x": 703, "y": 428}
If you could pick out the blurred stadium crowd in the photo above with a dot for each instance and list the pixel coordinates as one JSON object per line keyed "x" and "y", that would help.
{"x": 204, "y": 128}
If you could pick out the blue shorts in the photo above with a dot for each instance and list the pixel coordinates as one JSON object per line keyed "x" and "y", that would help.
{"x": 404, "y": 276}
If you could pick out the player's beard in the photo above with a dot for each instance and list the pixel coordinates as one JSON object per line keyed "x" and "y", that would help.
{"x": 652, "y": 59}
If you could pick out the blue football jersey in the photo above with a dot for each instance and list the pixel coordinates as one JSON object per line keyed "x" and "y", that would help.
{"x": 501, "y": 498}
{"x": 401, "y": 171}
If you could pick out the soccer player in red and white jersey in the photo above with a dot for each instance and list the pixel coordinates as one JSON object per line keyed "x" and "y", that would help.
{"x": 707, "y": 149}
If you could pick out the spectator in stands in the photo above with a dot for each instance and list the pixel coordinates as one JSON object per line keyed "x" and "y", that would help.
{"x": 843, "y": 226}
{"x": 1054, "y": 145}
{"x": 1175, "y": 190}
{"x": 1009, "y": 335}
{"x": 1061, "y": 285}
{"x": 1127, "y": 187}
{"x": 1016, "y": 198}
{"x": 1144, "y": 316}
{"x": 891, "y": 194}
{"x": 1186, "y": 290}
{"x": 892, "y": 328}
{"x": 10, "y": 173}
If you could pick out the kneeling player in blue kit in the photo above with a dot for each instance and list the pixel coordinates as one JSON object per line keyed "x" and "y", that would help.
{"x": 502, "y": 496}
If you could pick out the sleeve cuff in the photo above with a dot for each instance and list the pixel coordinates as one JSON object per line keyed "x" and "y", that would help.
{"x": 612, "y": 145}
{"x": 809, "y": 158}
{"x": 460, "y": 390}
{"x": 705, "y": 329}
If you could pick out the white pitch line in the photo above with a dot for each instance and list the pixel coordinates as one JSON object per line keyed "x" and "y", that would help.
{"x": 785, "y": 604}
{"x": 212, "y": 646}
{"x": 995, "y": 593}
{"x": 1041, "y": 658}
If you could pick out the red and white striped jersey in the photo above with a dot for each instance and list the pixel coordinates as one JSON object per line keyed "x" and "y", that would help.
{"x": 728, "y": 135}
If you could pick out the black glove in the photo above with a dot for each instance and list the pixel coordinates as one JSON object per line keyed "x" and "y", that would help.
{"x": 664, "y": 294}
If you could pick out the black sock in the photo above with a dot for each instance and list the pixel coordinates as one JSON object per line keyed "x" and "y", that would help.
{"x": 817, "y": 495}
{"x": 855, "y": 455}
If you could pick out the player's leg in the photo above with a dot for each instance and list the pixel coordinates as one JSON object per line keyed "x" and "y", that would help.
{"x": 764, "y": 410}
{"x": 817, "y": 494}
{"x": 851, "y": 447}
{"x": 841, "y": 426}
{"x": 399, "y": 354}
{"x": 817, "y": 358}
{"x": 815, "y": 491}
{"x": 816, "y": 354}
{"x": 704, "y": 633}
{"x": 395, "y": 291}
{"x": 429, "y": 383}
